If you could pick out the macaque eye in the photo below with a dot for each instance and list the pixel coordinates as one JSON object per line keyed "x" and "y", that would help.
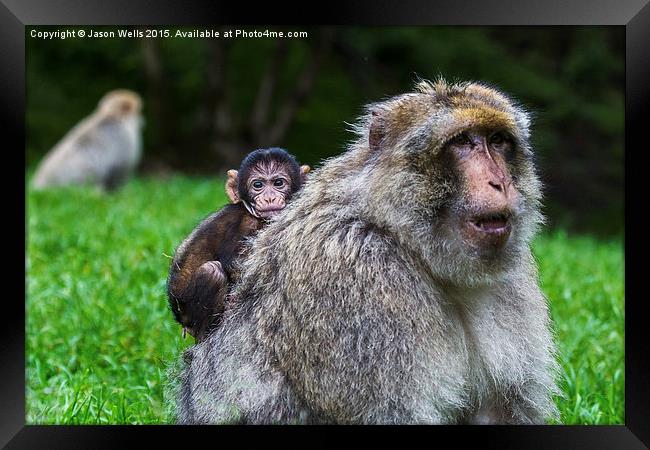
{"x": 278, "y": 183}
{"x": 497, "y": 139}
{"x": 461, "y": 139}
{"x": 258, "y": 184}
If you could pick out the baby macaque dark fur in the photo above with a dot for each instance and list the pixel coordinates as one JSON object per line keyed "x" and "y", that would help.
{"x": 205, "y": 264}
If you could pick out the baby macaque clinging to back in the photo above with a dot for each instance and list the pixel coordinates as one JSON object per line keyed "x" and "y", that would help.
{"x": 205, "y": 263}
{"x": 102, "y": 150}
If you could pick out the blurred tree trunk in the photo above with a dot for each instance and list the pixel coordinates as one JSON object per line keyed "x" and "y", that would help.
{"x": 224, "y": 143}
{"x": 161, "y": 128}
{"x": 232, "y": 137}
{"x": 261, "y": 108}
{"x": 223, "y": 137}
{"x": 275, "y": 132}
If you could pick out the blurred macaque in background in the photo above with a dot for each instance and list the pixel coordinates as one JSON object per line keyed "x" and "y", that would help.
{"x": 103, "y": 149}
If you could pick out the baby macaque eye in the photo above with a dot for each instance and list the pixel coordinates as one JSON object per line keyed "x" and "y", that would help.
{"x": 278, "y": 183}
{"x": 258, "y": 184}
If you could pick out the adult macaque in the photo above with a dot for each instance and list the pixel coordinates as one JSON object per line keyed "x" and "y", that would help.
{"x": 205, "y": 263}
{"x": 102, "y": 150}
{"x": 399, "y": 287}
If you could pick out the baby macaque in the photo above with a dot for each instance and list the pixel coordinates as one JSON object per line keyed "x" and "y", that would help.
{"x": 204, "y": 265}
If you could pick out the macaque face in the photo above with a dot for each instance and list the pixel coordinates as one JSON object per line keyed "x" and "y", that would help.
{"x": 269, "y": 188}
{"x": 490, "y": 199}
{"x": 266, "y": 181}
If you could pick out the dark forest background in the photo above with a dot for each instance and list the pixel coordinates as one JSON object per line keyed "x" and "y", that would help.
{"x": 207, "y": 102}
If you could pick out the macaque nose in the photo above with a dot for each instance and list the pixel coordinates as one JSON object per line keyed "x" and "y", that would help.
{"x": 498, "y": 185}
{"x": 505, "y": 188}
{"x": 270, "y": 201}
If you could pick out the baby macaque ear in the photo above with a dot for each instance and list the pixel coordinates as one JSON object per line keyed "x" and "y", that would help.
{"x": 304, "y": 170}
{"x": 232, "y": 185}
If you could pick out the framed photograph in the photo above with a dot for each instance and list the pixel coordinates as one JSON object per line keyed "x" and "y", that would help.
{"x": 400, "y": 214}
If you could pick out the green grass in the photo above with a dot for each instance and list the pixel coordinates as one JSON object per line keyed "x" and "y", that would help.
{"x": 99, "y": 336}
{"x": 584, "y": 281}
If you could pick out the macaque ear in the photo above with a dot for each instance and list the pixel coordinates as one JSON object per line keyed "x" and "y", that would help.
{"x": 377, "y": 131}
{"x": 232, "y": 186}
{"x": 304, "y": 170}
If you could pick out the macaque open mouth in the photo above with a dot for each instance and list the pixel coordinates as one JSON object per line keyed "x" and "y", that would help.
{"x": 495, "y": 223}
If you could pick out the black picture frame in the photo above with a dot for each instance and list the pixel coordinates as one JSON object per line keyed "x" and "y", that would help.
{"x": 634, "y": 15}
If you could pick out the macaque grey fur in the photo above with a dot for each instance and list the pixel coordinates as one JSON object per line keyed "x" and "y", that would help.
{"x": 360, "y": 304}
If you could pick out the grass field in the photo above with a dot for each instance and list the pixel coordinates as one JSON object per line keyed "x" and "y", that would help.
{"x": 99, "y": 337}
